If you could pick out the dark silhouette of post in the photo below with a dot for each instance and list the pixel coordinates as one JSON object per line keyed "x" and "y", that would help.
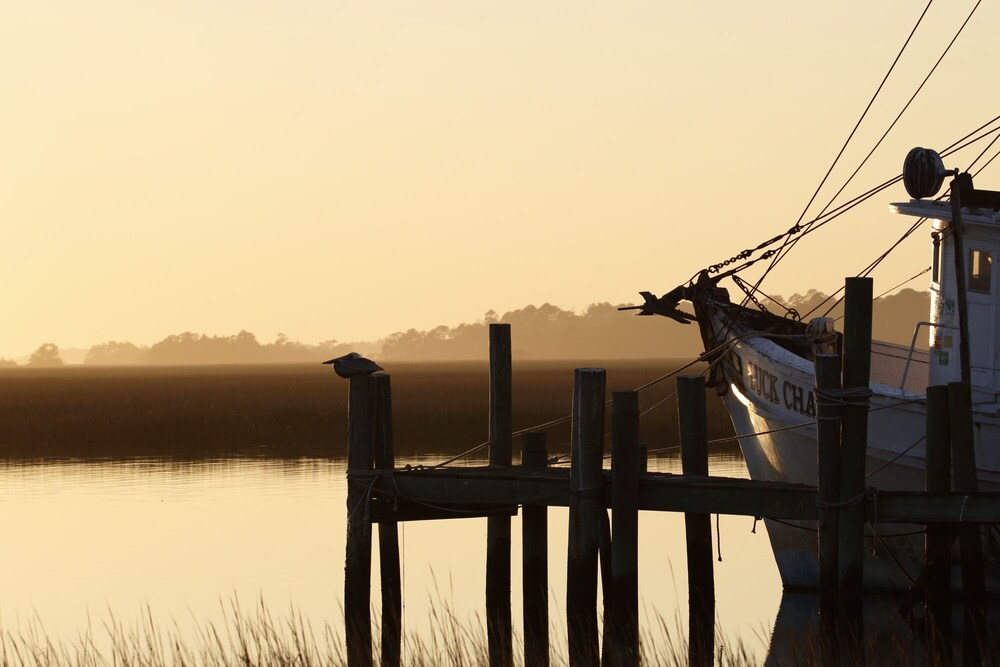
{"x": 535, "y": 561}
{"x": 498, "y": 617}
{"x": 853, "y": 452}
{"x": 970, "y": 539}
{"x": 607, "y": 591}
{"x": 585, "y": 508}
{"x": 622, "y": 632}
{"x": 939, "y": 537}
{"x": 828, "y": 484}
{"x": 388, "y": 535}
{"x": 701, "y": 576}
{"x": 358, "y": 566}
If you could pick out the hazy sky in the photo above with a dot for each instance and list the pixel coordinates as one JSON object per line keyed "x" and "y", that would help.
{"x": 345, "y": 170}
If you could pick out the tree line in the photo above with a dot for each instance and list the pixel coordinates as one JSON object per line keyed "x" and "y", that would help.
{"x": 601, "y": 332}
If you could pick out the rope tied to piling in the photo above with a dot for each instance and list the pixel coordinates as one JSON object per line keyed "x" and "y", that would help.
{"x": 820, "y": 341}
{"x": 852, "y": 396}
{"x": 589, "y": 491}
{"x": 851, "y": 502}
{"x": 360, "y": 514}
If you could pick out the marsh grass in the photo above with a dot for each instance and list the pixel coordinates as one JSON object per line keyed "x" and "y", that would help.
{"x": 292, "y": 411}
{"x": 257, "y": 637}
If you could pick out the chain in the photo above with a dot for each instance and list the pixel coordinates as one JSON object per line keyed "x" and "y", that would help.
{"x": 746, "y": 254}
{"x": 715, "y": 268}
{"x": 749, "y": 292}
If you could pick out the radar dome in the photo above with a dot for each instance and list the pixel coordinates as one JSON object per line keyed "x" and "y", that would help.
{"x": 923, "y": 173}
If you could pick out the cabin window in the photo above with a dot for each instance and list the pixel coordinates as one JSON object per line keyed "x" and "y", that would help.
{"x": 980, "y": 271}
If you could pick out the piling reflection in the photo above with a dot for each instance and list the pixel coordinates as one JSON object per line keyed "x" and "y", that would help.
{"x": 895, "y": 633}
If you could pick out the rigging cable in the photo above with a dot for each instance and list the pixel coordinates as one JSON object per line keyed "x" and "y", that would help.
{"x": 995, "y": 156}
{"x": 953, "y": 148}
{"x": 782, "y": 252}
{"x": 979, "y": 157}
{"x": 903, "y": 110}
{"x": 871, "y": 267}
{"x": 876, "y": 298}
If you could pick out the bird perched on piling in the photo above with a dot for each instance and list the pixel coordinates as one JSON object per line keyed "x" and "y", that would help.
{"x": 353, "y": 364}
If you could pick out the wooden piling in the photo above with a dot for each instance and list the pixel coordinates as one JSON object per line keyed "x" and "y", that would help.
{"x": 939, "y": 537}
{"x": 388, "y": 534}
{"x": 701, "y": 577}
{"x": 357, "y": 569}
{"x": 970, "y": 539}
{"x": 535, "y": 561}
{"x": 828, "y": 483}
{"x": 498, "y": 616}
{"x": 585, "y": 506}
{"x": 622, "y": 633}
{"x": 853, "y": 452}
{"x": 607, "y": 592}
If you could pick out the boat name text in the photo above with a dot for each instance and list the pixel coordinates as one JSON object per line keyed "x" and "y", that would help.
{"x": 791, "y": 395}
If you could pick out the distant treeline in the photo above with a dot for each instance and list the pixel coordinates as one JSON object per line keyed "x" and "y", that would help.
{"x": 243, "y": 348}
{"x": 601, "y": 333}
{"x": 893, "y": 317}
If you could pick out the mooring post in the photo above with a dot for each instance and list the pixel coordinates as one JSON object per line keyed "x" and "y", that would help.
{"x": 498, "y": 617}
{"x": 388, "y": 535}
{"x": 853, "y": 452}
{"x": 585, "y": 507}
{"x": 939, "y": 537}
{"x": 973, "y": 577}
{"x": 828, "y": 484}
{"x": 693, "y": 424}
{"x": 622, "y": 641}
{"x": 358, "y": 567}
{"x": 535, "y": 561}
{"x": 607, "y": 591}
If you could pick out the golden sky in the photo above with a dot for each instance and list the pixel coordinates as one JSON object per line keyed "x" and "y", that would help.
{"x": 345, "y": 170}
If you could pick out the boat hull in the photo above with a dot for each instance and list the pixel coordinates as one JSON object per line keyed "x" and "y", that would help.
{"x": 768, "y": 392}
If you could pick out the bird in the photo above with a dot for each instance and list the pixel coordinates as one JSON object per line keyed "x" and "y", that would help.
{"x": 352, "y": 364}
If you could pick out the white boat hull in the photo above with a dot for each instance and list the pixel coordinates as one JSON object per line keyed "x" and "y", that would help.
{"x": 768, "y": 391}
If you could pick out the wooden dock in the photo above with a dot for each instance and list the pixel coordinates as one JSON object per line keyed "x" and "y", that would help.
{"x": 384, "y": 494}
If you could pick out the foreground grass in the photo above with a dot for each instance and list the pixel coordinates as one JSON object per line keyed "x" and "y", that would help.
{"x": 256, "y": 637}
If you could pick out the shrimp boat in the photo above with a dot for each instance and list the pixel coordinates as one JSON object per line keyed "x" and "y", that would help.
{"x": 762, "y": 366}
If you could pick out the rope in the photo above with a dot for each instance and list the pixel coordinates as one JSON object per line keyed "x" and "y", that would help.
{"x": 820, "y": 220}
{"x": 847, "y": 141}
{"x": 718, "y": 537}
{"x": 896, "y": 457}
{"x": 842, "y": 504}
{"x": 781, "y": 255}
{"x": 980, "y": 156}
{"x": 886, "y": 133}
{"x": 566, "y": 418}
{"x": 995, "y": 156}
{"x": 759, "y": 433}
{"x": 853, "y": 396}
{"x": 897, "y": 286}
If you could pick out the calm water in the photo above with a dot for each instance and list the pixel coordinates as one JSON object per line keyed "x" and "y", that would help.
{"x": 85, "y": 539}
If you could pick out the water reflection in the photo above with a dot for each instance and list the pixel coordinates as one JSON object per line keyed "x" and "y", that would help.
{"x": 85, "y": 537}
